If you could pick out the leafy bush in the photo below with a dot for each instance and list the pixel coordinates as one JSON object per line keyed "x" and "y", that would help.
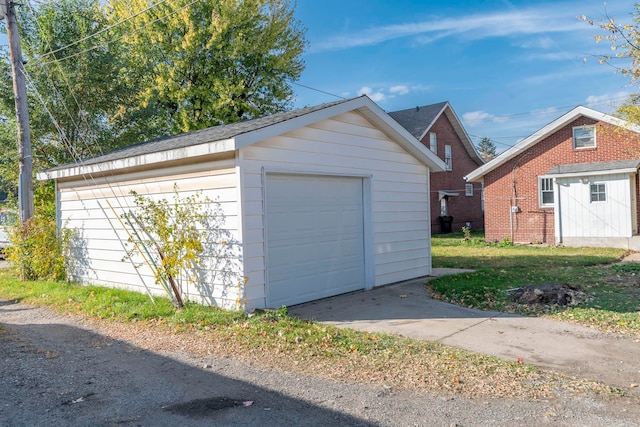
{"x": 37, "y": 249}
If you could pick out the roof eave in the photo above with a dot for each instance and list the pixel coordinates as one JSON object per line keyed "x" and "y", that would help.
{"x": 462, "y": 134}
{"x": 213, "y": 147}
{"x": 592, "y": 173}
{"x": 539, "y": 135}
{"x": 435, "y": 119}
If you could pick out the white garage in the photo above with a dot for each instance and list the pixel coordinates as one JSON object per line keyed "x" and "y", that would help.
{"x": 317, "y": 202}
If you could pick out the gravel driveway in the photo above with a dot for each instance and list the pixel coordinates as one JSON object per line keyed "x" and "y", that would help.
{"x": 58, "y": 370}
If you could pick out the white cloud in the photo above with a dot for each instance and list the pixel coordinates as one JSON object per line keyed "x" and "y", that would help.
{"x": 473, "y": 118}
{"x": 399, "y": 89}
{"x": 607, "y": 100}
{"x": 543, "y": 20}
{"x": 375, "y": 96}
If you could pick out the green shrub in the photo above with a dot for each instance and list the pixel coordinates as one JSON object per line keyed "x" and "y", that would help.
{"x": 37, "y": 249}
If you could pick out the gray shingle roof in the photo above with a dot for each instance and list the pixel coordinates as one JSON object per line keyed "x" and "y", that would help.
{"x": 594, "y": 167}
{"x": 216, "y": 133}
{"x": 417, "y": 120}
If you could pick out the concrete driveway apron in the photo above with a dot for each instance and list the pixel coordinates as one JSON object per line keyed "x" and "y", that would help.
{"x": 408, "y": 309}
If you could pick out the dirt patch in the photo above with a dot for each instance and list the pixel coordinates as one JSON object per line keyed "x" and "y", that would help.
{"x": 548, "y": 294}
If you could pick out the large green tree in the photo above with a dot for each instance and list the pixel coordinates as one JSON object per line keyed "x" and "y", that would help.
{"x": 624, "y": 54}
{"x": 75, "y": 93}
{"x": 105, "y": 75}
{"x": 210, "y": 62}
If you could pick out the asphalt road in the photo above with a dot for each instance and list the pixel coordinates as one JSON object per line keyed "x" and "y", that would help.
{"x": 59, "y": 371}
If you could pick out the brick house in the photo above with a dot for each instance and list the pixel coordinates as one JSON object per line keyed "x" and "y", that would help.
{"x": 574, "y": 182}
{"x": 454, "y": 202}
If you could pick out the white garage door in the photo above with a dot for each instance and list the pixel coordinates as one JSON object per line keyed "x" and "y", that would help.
{"x": 315, "y": 237}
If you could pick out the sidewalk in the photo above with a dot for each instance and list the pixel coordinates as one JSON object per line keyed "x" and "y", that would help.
{"x": 408, "y": 309}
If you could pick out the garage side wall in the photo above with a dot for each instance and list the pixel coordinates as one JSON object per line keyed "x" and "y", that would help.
{"x": 94, "y": 209}
{"x": 345, "y": 145}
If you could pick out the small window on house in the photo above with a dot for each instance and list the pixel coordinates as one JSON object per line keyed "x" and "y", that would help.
{"x": 598, "y": 193}
{"x": 447, "y": 157}
{"x": 546, "y": 192}
{"x": 444, "y": 206}
{"x": 433, "y": 142}
{"x": 468, "y": 189}
{"x": 584, "y": 137}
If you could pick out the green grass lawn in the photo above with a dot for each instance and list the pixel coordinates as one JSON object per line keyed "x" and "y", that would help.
{"x": 613, "y": 289}
{"x": 275, "y": 340}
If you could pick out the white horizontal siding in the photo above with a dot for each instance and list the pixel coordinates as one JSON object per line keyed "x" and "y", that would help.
{"x": 582, "y": 218}
{"x": 94, "y": 209}
{"x": 347, "y": 145}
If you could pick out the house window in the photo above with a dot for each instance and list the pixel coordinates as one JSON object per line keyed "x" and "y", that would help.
{"x": 468, "y": 189}
{"x": 433, "y": 142}
{"x": 447, "y": 157}
{"x": 546, "y": 191}
{"x": 598, "y": 193}
{"x": 584, "y": 137}
{"x": 444, "y": 206}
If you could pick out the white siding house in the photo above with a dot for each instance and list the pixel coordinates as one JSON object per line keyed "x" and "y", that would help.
{"x": 318, "y": 202}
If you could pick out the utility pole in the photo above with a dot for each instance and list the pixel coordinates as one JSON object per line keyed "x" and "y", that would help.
{"x": 25, "y": 183}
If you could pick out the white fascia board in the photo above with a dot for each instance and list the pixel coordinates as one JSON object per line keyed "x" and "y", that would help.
{"x": 594, "y": 173}
{"x": 402, "y": 136}
{"x": 539, "y": 135}
{"x": 444, "y": 107}
{"x": 462, "y": 132}
{"x": 212, "y": 147}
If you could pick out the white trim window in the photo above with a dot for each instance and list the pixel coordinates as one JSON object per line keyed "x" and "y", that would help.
{"x": 444, "y": 206}
{"x": 433, "y": 142}
{"x": 468, "y": 190}
{"x": 546, "y": 192}
{"x": 584, "y": 137}
{"x": 598, "y": 192}
{"x": 447, "y": 157}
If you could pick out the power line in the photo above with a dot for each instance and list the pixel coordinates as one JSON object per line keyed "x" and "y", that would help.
{"x": 105, "y": 29}
{"x": 119, "y": 38}
{"x": 317, "y": 90}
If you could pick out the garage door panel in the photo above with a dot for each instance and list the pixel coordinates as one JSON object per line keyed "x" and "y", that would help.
{"x": 315, "y": 237}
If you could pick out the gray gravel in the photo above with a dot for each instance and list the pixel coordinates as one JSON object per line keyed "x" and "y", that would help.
{"x": 58, "y": 371}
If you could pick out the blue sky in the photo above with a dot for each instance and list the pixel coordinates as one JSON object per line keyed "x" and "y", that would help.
{"x": 508, "y": 68}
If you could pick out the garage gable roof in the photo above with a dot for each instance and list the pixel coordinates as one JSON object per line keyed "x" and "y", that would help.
{"x": 541, "y": 134}
{"x": 597, "y": 168}
{"x": 230, "y": 137}
{"x": 418, "y": 121}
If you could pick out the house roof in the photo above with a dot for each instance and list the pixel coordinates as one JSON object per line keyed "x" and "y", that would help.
{"x": 418, "y": 121}
{"x": 598, "y": 168}
{"x": 541, "y": 134}
{"x": 234, "y": 136}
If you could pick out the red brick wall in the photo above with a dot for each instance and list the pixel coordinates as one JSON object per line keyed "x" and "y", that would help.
{"x": 516, "y": 181}
{"x": 463, "y": 208}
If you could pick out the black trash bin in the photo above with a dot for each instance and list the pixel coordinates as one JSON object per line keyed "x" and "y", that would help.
{"x": 445, "y": 223}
